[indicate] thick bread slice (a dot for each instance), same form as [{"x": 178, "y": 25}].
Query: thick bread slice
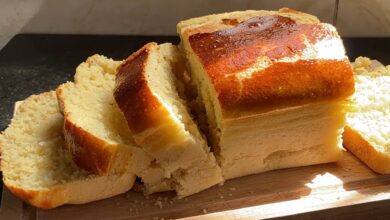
[
  {"x": 256, "y": 73},
  {"x": 147, "y": 93},
  {"x": 95, "y": 129},
  {"x": 37, "y": 167},
  {"x": 367, "y": 134},
  {"x": 93, "y": 138}
]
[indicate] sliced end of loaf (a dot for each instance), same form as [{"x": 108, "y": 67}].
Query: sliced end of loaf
[{"x": 367, "y": 134}]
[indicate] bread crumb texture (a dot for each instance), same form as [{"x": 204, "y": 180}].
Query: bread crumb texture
[
  {"x": 370, "y": 112},
  {"x": 32, "y": 148},
  {"x": 90, "y": 104}
]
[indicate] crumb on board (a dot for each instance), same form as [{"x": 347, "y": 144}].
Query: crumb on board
[
  {"x": 159, "y": 204},
  {"x": 204, "y": 211}
]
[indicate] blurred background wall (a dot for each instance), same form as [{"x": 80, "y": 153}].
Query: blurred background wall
[{"x": 159, "y": 17}]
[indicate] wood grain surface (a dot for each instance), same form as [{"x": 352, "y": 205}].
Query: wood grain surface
[{"x": 272, "y": 194}]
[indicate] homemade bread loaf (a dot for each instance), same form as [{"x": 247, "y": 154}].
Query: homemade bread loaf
[
  {"x": 95, "y": 129},
  {"x": 273, "y": 84},
  {"x": 37, "y": 167},
  {"x": 147, "y": 94},
  {"x": 367, "y": 134}
]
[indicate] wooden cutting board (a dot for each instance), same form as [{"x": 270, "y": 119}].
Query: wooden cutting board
[{"x": 271, "y": 194}]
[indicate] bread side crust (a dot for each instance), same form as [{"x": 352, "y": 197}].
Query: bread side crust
[
  {"x": 376, "y": 160},
  {"x": 78, "y": 192},
  {"x": 136, "y": 100},
  {"x": 45, "y": 199},
  {"x": 89, "y": 152}
]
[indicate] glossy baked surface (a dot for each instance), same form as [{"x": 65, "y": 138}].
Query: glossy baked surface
[{"x": 272, "y": 61}]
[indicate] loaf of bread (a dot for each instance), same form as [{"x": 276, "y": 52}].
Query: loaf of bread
[
  {"x": 96, "y": 130},
  {"x": 38, "y": 168},
  {"x": 274, "y": 85},
  {"x": 147, "y": 93},
  {"x": 367, "y": 134}
]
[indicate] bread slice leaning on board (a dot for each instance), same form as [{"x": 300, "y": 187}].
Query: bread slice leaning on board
[
  {"x": 367, "y": 134},
  {"x": 274, "y": 86},
  {"x": 39, "y": 169},
  {"x": 158, "y": 117},
  {"x": 95, "y": 129}
]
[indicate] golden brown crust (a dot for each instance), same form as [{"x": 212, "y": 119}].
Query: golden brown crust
[
  {"x": 88, "y": 152},
  {"x": 238, "y": 47},
  {"x": 225, "y": 53},
  {"x": 285, "y": 84},
  {"x": 354, "y": 142},
  {"x": 41, "y": 199},
  {"x": 133, "y": 95}
]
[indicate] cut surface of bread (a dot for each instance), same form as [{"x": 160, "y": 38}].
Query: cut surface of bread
[
  {"x": 367, "y": 134},
  {"x": 96, "y": 130},
  {"x": 249, "y": 66},
  {"x": 146, "y": 92},
  {"x": 38, "y": 168}
]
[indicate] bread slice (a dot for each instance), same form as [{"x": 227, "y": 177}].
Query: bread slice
[
  {"x": 367, "y": 134},
  {"x": 96, "y": 130},
  {"x": 273, "y": 85},
  {"x": 37, "y": 167},
  {"x": 147, "y": 94}
]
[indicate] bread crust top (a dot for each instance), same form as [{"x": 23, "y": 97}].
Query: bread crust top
[{"x": 270, "y": 61}]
